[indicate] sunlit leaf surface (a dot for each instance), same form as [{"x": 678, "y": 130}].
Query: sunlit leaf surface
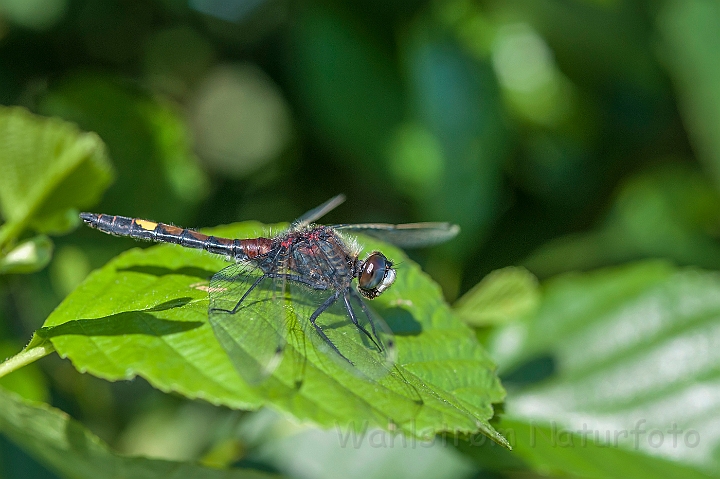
[
  {"x": 143, "y": 134},
  {"x": 630, "y": 357},
  {"x": 28, "y": 256},
  {"x": 145, "y": 313},
  {"x": 502, "y": 296},
  {"x": 47, "y": 168}
]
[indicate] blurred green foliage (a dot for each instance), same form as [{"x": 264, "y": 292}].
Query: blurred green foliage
[{"x": 563, "y": 136}]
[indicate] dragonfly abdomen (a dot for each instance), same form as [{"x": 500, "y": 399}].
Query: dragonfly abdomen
[{"x": 164, "y": 233}]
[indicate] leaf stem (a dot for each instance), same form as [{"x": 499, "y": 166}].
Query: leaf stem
[
  {"x": 11, "y": 230},
  {"x": 25, "y": 357}
]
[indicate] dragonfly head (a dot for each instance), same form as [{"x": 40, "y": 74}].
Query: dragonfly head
[{"x": 376, "y": 275}]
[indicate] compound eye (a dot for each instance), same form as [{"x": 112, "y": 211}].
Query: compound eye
[{"x": 376, "y": 275}]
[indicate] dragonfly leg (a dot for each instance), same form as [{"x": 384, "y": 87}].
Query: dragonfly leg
[
  {"x": 366, "y": 310},
  {"x": 353, "y": 318},
  {"x": 293, "y": 277},
  {"x": 237, "y": 306},
  {"x": 328, "y": 302}
]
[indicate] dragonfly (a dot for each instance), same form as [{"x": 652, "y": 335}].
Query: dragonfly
[{"x": 309, "y": 274}]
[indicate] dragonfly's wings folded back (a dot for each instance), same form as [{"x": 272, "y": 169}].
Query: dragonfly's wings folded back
[
  {"x": 319, "y": 211},
  {"x": 409, "y": 235}
]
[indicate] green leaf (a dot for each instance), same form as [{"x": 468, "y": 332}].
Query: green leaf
[
  {"x": 47, "y": 169},
  {"x": 691, "y": 51},
  {"x": 555, "y": 451},
  {"x": 72, "y": 451},
  {"x": 633, "y": 348},
  {"x": 146, "y": 136},
  {"x": 28, "y": 256},
  {"x": 145, "y": 313},
  {"x": 502, "y": 296}
]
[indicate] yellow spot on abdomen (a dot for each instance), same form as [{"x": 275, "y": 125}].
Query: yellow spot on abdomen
[{"x": 146, "y": 225}]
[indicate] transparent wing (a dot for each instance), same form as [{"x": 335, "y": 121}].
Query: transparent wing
[
  {"x": 317, "y": 213},
  {"x": 366, "y": 349},
  {"x": 247, "y": 316},
  {"x": 409, "y": 235},
  {"x": 341, "y": 326}
]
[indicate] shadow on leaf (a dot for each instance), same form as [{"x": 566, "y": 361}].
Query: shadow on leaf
[
  {"x": 401, "y": 321},
  {"x": 160, "y": 271},
  {"x": 127, "y": 322},
  {"x": 531, "y": 371}
]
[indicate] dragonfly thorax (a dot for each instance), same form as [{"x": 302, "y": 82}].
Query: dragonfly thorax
[{"x": 319, "y": 257}]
